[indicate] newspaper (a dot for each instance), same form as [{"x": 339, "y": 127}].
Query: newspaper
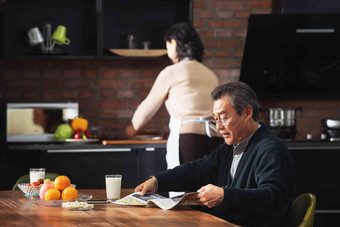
[{"x": 156, "y": 200}]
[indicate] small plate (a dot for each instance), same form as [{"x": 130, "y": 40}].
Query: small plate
[
  {"x": 57, "y": 203},
  {"x": 78, "y": 208},
  {"x": 79, "y": 140}
]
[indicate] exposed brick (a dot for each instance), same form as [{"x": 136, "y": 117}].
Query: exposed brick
[
  {"x": 91, "y": 74},
  {"x": 110, "y": 74},
  {"x": 108, "y": 104},
  {"x": 213, "y": 43},
  {"x": 223, "y": 53},
  {"x": 218, "y": 5},
  {"x": 149, "y": 73},
  {"x": 31, "y": 74},
  {"x": 225, "y": 24},
  {"x": 126, "y": 94},
  {"x": 224, "y": 14},
  {"x": 70, "y": 94},
  {"x": 265, "y": 4},
  {"x": 49, "y": 94},
  {"x": 107, "y": 94},
  {"x": 139, "y": 83},
  {"x": 119, "y": 83},
  {"x": 238, "y": 53},
  {"x": 242, "y": 14},
  {"x": 52, "y": 74},
  {"x": 223, "y": 33},
  {"x": 109, "y": 113},
  {"x": 11, "y": 74},
  {"x": 206, "y": 14},
  {"x": 72, "y": 73},
  {"x": 86, "y": 93},
  {"x": 128, "y": 73},
  {"x": 199, "y": 4},
  {"x": 199, "y": 23},
  {"x": 206, "y": 33}
]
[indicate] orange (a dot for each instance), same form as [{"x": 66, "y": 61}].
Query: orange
[
  {"x": 52, "y": 194},
  {"x": 62, "y": 182},
  {"x": 69, "y": 193}
]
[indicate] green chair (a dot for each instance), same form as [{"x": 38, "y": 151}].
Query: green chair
[
  {"x": 26, "y": 179},
  {"x": 304, "y": 210}
]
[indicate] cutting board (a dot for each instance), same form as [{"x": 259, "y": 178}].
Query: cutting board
[
  {"x": 139, "y": 52},
  {"x": 112, "y": 142}
]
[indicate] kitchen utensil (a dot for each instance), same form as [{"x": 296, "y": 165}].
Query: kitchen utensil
[
  {"x": 35, "y": 37},
  {"x": 146, "y": 45},
  {"x": 59, "y": 36},
  {"x": 331, "y": 123},
  {"x": 281, "y": 117},
  {"x": 131, "y": 41}
]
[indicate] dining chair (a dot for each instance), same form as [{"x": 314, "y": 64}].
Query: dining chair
[
  {"x": 304, "y": 210},
  {"x": 26, "y": 179}
]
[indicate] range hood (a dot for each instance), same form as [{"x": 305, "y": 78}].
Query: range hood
[{"x": 293, "y": 55}]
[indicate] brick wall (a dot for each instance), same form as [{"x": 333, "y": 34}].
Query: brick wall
[{"x": 109, "y": 91}]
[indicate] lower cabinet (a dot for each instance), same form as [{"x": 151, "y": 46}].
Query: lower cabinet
[
  {"x": 150, "y": 161},
  {"x": 87, "y": 168}
]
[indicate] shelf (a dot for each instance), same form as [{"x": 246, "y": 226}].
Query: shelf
[
  {"x": 139, "y": 52},
  {"x": 93, "y": 26}
]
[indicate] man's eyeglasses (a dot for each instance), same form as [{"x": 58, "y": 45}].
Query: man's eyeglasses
[{"x": 223, "y": 121}]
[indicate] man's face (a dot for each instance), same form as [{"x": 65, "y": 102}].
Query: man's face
[{"x": 235, "y": 129}]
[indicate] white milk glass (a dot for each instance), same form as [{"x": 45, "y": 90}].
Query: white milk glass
[
  {"x": 36, "y": 173},
  {"x": 113, "y": 184}
]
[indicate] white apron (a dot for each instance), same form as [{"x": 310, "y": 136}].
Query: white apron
[{"x": 172, "y": 146}]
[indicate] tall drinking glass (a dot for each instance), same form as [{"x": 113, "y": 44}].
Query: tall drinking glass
[
  {"x": 113, "y": 184},
  {"x": 36, "y": 173}
]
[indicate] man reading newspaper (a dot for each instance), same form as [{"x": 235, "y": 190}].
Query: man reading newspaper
[{"x": 248, "y": 180}]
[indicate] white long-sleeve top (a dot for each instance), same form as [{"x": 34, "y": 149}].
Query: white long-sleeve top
[{"x": 185, "y": 87}]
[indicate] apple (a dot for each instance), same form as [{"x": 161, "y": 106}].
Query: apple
[{"x": 47, "y": 185}]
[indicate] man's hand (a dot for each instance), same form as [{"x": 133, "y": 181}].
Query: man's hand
[
  {"x": 148, "y": 186},
  {"x": 210, "y": 195}
]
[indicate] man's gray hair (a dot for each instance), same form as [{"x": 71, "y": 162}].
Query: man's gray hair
[{"x": 241, "y": 95}]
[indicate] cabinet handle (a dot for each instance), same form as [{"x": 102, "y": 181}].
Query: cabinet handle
[
  {"x": 150, "y": 149},
  {"x": 90, "y": 150}
]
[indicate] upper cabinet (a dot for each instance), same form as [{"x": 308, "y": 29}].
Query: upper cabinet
[{"x": 94, "y": 27}]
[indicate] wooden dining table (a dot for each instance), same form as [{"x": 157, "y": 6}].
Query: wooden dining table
[{"x": 18, "y": 210}]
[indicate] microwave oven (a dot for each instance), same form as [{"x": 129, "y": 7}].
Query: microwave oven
[{"x": 37, "y": 122}]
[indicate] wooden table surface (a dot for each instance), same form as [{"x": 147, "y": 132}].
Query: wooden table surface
[{"x": 17, "y": 210}]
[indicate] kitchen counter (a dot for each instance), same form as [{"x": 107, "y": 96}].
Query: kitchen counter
[
  {"x": 104, "y": 146},
  {"x": 111, "y": 145}
]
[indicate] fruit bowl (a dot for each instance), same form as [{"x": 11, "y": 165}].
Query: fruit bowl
[{"x": 29, "y": 190}]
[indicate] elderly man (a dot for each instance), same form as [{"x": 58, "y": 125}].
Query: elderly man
[{"x": 248, "y": 180}]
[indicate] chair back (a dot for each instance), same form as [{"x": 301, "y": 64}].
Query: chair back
[
  {"x": 304, "y": 210},
  {"x": 26, "y": 179}
]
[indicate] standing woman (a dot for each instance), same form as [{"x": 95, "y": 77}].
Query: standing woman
[{"x": 185, "y": 87}]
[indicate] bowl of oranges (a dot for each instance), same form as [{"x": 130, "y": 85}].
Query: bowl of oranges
[{"x": 53, "y": 193}]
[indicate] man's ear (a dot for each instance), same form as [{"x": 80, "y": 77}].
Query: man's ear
[{"x": 248, "y": 110}]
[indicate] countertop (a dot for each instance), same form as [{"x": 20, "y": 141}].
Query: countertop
[{"x": 113, "y": 145}]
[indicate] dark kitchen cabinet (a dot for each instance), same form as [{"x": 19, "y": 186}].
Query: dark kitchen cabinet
[
  {"x": 150, "y": 161},
  {"x": 88, "y": 168},
  {"x": 93, "y": 26}
]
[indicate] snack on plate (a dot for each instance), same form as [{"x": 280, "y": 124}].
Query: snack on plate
[{"x": 77, "y": 205}]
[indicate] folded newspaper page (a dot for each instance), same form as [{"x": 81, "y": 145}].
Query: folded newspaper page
[{"x": 154, "y": 200}]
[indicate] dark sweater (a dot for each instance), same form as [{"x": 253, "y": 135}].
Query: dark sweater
[{"x": 262, "y": 190}]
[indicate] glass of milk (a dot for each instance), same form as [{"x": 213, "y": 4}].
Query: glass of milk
[
  {"x": 36, "y": 173},
  {"x": 113, "y": 184}
]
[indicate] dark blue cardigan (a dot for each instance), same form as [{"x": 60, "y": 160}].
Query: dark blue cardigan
[{"x": 263, "y": 187}]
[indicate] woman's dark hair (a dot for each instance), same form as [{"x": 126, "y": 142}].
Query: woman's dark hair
[
  {"x": 241, "y": 95},
  {"x": 189, "y": 43}
]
